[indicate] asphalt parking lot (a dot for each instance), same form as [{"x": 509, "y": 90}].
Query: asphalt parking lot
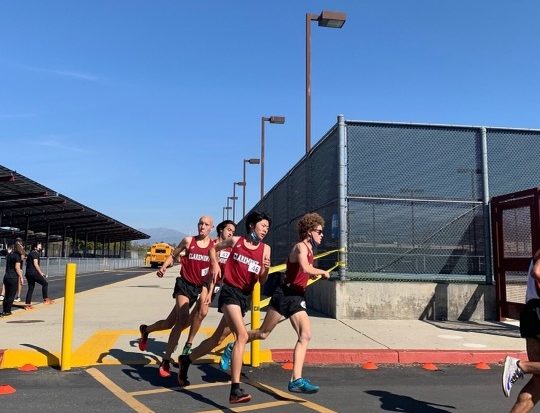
[{"x": 125, "y": 388}]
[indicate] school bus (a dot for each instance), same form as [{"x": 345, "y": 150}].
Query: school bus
[{"x": 157, "y": 254}]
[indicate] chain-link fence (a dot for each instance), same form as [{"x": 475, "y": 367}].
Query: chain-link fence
[
  {"x": 416, "y": 197},
  {"x": 311, "y": 185}
]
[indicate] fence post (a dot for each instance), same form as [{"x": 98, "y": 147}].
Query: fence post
[
  {"x": 342, "y": 197},
  {"x": 486, "y": 208},
  {"x": 67, "y": 327}
]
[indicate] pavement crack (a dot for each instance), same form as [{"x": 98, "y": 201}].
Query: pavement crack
[{"x": 365, "y": 335}]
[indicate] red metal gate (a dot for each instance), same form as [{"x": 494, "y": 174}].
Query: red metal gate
[{"x": 516, "y": 235}]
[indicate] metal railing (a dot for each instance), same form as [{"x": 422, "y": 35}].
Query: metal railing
[{"x": 54, "y": 266}]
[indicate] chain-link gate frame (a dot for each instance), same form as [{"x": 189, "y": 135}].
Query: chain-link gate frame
[{"x": 516, "y": 236}]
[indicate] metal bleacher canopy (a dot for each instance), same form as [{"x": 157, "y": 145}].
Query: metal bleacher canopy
[{"x": 30, "y": 209}]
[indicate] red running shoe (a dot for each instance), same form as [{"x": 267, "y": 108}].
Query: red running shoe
[
  {"x": 48, "y": 301},
  {"x": 143, "y": 341},
  {"x": 165, "y": 369}
]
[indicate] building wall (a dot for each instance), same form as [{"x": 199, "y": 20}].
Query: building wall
[{"x": 405, "y": 301}]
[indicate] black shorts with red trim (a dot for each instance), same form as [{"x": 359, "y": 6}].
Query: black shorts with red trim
[
  {"x": 287, "y": 301},
  {"x": 191, "y": 291},
  {"x": 232, "y": 295}
]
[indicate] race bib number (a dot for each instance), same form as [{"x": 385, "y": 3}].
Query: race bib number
[
  {"x": 223, "y": 255},
  {"x": 204, "y": 272},
  {"x": 254, "y": 268}
]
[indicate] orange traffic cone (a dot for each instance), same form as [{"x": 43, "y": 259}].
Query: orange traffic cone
[
  {"x": 287, "y": 365},
  {"x": 27, "y": 367},
  {"x": 369, "y": 366},
  {"x": 6, "y": 389},
  {"x": 482, "y": 366}
]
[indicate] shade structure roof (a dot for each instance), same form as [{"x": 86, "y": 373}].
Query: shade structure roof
[{"x": 27, "y": 207}]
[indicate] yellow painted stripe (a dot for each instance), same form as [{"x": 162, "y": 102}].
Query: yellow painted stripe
[
  {"x": 168, "y": 389},
  {"x": 289, "y": 396},
  {"x": 97, "y": 350},
  {"x": 17, "y": 358},
  {"x": 118, "y": 392},
  {"x": 91, "y": 350},
  {"x": 249, "y": 408}
]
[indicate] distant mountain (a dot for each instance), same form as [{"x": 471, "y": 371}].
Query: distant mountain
[{"x": 170, "y": 236}]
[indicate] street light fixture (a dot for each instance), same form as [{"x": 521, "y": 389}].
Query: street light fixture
[
  {"x": 272, "y": 119},
  {"x": 234, "y": 198},
  {"x": 332, "y": 19},
  {"x": 251, "y": 161}
]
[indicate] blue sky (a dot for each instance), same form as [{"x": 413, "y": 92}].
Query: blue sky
[{"x": 145, "y": 110}]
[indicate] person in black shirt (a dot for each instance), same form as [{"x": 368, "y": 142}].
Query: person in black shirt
[
  {"x": 34, "y": 275},
  {"x": 13, "y": 276}
]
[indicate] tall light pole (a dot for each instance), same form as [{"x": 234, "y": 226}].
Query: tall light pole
[
  {"x": 234, "y": 198},
  {"x": 226, "y": 208},
  {"x": 229, "y": 207},
  {"x": 331, "y": 19},
  {"x": 271, "y": 119},
  {"x": 251, "y": 161}
]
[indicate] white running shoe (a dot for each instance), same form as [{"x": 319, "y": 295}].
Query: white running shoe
[
  {"x": 511, "y": 373},
  {"x": 17, "y": 300}
]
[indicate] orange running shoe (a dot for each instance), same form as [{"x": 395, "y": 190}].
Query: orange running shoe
[{"x": 48, "y": 301}]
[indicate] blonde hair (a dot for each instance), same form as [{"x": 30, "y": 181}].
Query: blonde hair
[{"x": 308, "y": 223}]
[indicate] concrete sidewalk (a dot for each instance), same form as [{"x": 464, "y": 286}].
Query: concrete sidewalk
[{"x": 107, "y": 318}]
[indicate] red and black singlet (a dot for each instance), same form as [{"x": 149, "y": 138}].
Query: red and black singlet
[
  {"x": 196, "y": 262},
  {"x": 223, "y": 257},
  {"x": 295, "y": 278},
  {"x": 244, "y": 266}
]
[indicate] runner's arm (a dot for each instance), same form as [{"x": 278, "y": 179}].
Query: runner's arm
[
  {"x": 215, "y": 269},
  {"x": 266, "y": 264},
  {"x": 301, "y": 253},
  {"x": 174, "y": 255}
]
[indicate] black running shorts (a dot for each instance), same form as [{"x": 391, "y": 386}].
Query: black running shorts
[
  {"x": 287, "y": 302},
  {"x": 529, "y": 319},
  {"x": 233, "y": 295},
  {"x": 191, "y": 291}
]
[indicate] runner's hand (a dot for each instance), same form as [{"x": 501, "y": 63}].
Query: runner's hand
[
  {"x": 161, "y": 272},
  {"x": 215, "y": 272},
  {"x": 266, "y": 262},
  {"x": 207, "y": 298}
]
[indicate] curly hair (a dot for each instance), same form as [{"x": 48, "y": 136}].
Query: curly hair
[{"x": 308, "y": 223}]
